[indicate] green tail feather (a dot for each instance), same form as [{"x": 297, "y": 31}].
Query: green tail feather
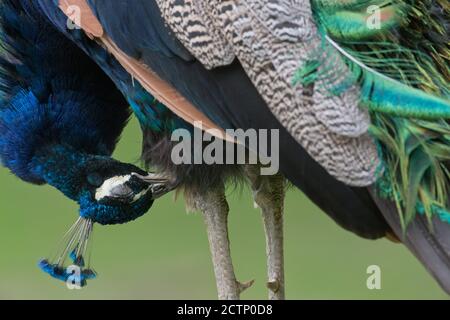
[
  {"x": 384, "y": 92},
  {"x": 386, "y": 83},
  {"x": 404, "y": 83},
  {"x": 416, "y": 158}
]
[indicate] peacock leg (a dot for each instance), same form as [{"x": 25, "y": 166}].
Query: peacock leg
[
  {"x": 268, "y": 194},
  {"x": 214, "y": 208}
]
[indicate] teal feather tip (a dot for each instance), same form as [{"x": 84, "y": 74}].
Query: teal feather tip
[
  {"x": 442, "y": 213},
  {"x": 386, "y": 190}
]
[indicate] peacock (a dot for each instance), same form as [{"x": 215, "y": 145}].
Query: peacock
[{"x": 358, "y": 91}]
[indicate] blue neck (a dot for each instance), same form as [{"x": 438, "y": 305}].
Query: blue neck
[{"x": 59, "y": 166}]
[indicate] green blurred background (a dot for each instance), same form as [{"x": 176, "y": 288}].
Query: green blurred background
[{"x": 165, "y": 254}]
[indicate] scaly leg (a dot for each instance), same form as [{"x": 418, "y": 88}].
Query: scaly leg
[
  {"x": 268, "y": 193},
  {"x": 214, "y": 208}
]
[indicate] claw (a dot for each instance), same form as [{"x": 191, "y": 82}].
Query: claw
[
  {"x": 245, "y": 285},
  {"x": 274, "y": 285}
]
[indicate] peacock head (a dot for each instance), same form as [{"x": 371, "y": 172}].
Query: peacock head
[
  {"x": 112, "y": 192},
  {"x": 107, "y": 191}
]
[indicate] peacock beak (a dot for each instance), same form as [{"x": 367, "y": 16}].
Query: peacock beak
[
  {"x": 130, "y": 188},
  {"x": 159, "y": 185}
]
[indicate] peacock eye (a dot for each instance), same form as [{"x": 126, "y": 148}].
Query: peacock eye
[{"x": 95, "y": 179}]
